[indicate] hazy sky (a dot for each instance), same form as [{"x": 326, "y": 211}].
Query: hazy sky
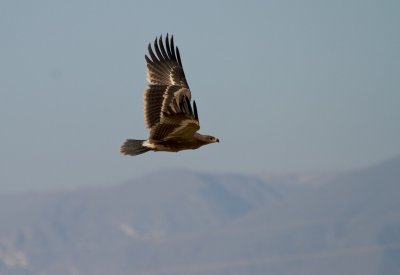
[{"x": 285, "y": 85}]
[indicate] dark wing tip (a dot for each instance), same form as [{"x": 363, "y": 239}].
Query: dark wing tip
[
  {"x": 153, "y": 57},
  {"x": 167, "y": 45},
  {"x": 162, "y": 48},
  {"x": 189, "y": 106},
  {"x": 173, "y": 48},
  {"x": 178, "y": 56},
  {"x": 157, "y": 49},
  {"x": 148, "y": 60},
  {"x": 196, "y": 115}
]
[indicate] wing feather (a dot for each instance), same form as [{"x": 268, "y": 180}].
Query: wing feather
[
  {"x": 196, "y": 115},
  {"x": 157, "y": 48},
  {"x": 160, "y": 42},
  {"x": 152, "y": 55},
  {"x": 173, "y": 48},
  {"x": 178, "y": 56}
]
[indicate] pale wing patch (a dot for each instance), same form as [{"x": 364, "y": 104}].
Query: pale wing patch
[
  {"x": 171, "y": 78},
  {"x": 186, "y": 129},
  {"x": 148, "y": 77},
  {"x": 148, "y": 144},
  {"x": 183, "y": 91}
]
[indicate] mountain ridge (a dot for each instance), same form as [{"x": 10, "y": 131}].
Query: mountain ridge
[{"x": 185, "y": 222}]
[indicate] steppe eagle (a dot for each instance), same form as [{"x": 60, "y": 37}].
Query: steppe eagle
[{"x": 171, "y": 120}]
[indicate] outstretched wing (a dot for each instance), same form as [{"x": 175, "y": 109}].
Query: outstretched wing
[
  {"x": 165, "y": 66},
  {"x": 180, "y": 121},
  {"x": 167, "y": 80}
]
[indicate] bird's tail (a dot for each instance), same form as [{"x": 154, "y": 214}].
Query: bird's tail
[{"x": 133, "y": 147}]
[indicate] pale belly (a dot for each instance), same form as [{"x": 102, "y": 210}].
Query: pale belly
[{"x": 171, "y": 146}]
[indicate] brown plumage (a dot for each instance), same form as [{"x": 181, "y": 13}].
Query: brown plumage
[{"x": 169, "y": 116}]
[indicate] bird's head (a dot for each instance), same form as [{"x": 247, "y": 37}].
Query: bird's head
[
  {"x": 205, "y": 139},
  {"x": 211, "y": 139}
]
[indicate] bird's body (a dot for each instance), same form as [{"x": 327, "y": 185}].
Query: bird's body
[{"x": 169, "y": 116}]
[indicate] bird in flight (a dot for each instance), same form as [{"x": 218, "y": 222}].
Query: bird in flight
[{"x": 169, "y": 116}]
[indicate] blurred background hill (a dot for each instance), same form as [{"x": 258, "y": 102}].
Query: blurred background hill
[{"x": 184, "y": 222}]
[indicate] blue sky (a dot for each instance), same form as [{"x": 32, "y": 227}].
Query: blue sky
[{"x": 285, "y": 85}]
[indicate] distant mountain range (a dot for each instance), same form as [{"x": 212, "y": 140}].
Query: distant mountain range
[{"x": 183, "y": 222}]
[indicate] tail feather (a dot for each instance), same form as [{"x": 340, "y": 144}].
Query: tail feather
[{"x": 133, "y": 147}]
